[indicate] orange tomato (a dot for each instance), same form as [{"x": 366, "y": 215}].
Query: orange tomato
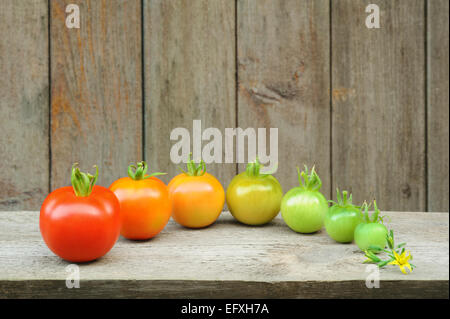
[
  {"x": 197, "y": 197},
  {"x": 145, "y": 206}
]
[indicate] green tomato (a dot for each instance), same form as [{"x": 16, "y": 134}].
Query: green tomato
[
  {"x": 342, "y": 219},
  {"x": 254, "y": 198},
  {"x": 304, "y": 208},
  {"x": 371, "y": 232}
]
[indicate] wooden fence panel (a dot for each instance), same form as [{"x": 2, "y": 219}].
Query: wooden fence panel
[
  {"x": 96, "y": 89},
  {"x": 24, "y": 103},
  {"x": 283, "y": 80},
  {"x": 377, "y": 125},
  {"x": 378, "y": 94},
  {"x": 189, "y": 75},
  {"x": 438, "y": 105}
]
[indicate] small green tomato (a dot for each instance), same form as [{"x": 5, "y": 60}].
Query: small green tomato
[
  {"x": 342, "y": 218},
  {"x": 371, "y": 232}
]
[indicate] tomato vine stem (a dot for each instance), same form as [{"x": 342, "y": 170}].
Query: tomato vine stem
[
  {"x": 83, "y": 183},
  {"x": 194, "y": 169},
  {"x": 139, "y": 171},
  {"x": 310, "y": 181},
  {"x": 254, "y": 169},
  {"x": 375, "y": 218},
  {"x": 344, "y": 200}
]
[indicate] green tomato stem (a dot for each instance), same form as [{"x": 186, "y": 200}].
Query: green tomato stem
[
  {"x": 365, "y": 207},
  {"x": 310, "y": 181},
  {"x": 376, "y": 212},
  {"x": 254, "y": 169},
  {"x": 344, "y": 201},
  {"x": 194, "y": 169},
  {"x": 139, "y": 172},
  {"x": 83, "y": 183},
  {"x": 375, "y": 218}
]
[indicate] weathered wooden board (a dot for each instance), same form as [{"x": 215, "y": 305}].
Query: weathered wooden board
[
  {"x": 24, "y": 91},
  {"x": 438, "y": 105},
  {"x": 189, "y": 75},
  {"x": 226, "y": 260},
  {"x": 284, "y": 82},
  {"x": 380, "y": 126},
  {"x": 96, "y": 95},
  {"x": 378, "y": 97}
]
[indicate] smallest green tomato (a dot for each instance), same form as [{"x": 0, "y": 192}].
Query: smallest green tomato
[
  {"x": 342, "y": 218},
  {"x": 371, "y": 232},
  {"x": 254, "y": 198}
]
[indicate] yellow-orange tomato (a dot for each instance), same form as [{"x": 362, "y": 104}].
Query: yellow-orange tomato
[
  {"x": 197, "y": 197},
  {"x": 145, "y": 206}
]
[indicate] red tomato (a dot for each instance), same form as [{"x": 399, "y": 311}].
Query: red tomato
[
  {"x": 197, "y": 197},
  {"x": 145, "y": 206},
  {"x": 80, "y": 223}
]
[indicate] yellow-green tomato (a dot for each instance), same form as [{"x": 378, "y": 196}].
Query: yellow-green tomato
[
  {"x": 342, "y": 219},
  {"x": 304, "y": 208},
  {"x": 254, "y": 198}
]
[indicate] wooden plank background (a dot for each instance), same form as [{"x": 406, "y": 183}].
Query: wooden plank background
[
  {"x": 378, "y": 99},
  {"x": 368, "y": 107},
  {"x": 438, "y": 104},
  {"x": 283, "y": 76},
  {"x": 96, "y": 89},
  {"x": 189, "y": 75},
  {"x": 24, "y": 104}
]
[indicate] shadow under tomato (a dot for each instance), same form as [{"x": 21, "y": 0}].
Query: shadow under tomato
[
  {"x": 310, "y": 234},
  {"x": 237, "y": 223},
  {"x": 269, "y": 224},
  {"x": 137, "y": 241},
  {"x": 286, "y": 229},
  {"x": 181, "y": 227},
  {"x": 66, "y": 262}
]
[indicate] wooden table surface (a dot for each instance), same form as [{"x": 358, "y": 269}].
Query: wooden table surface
[{"x": 226, "y": 260}]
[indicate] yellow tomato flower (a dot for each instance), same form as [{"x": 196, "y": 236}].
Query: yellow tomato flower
[{"x": 402, "y": 261}]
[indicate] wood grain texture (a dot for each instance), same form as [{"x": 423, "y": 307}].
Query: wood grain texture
[
  {"x": 178, "y": 289},
  {"x": 378, "y": 95},
  {"x": 96, "y": 96},
  {"x": 283, "y": 79},
  {"x": 438, "y": 105},
  {"x": 24, "y": 91},
  {"x": 226, "y": 260},
  {"x": 378, "y": 101},
  {"x": 189, "y": 75}
]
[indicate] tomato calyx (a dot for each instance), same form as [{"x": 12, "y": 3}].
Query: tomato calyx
[
  {"x": 253, "y": 169},
  {"x": 344, "y": 201},
  {"x": 194, "y": 169},
  {"x": 375, "y": 218},
  {"x": 309, "y": 181},
  {"x": 83, "y": 183},
  {"x": 139, "y": 171}
]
